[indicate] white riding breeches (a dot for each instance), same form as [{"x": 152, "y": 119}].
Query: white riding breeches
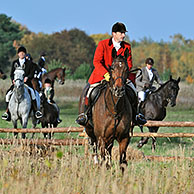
[
  {"x": 92, "y": 86},
  {"x": 129, "y": 83},
  {"x": 141, "y": 96},
  {"x": 32, "y": 92},
  {"x": 8, "y": 96}
]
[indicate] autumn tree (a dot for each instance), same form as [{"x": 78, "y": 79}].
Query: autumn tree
[{"x": 9, "y": 31}]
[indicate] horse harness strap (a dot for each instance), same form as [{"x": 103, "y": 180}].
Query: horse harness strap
[{"x": 117, "y": 117}]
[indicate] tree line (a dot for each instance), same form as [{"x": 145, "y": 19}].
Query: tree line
[{"x": 75, "y": 50}]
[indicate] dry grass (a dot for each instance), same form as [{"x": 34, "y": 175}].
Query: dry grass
[
  {"x": 34, "y": 171},
  {"x": 45, "y": 170}
]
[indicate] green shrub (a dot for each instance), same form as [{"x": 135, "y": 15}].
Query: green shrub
[
  {"x": 82, "y": 72},
  {"x": 55, "y": 63}
]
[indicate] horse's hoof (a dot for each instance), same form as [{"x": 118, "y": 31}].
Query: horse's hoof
[{"x": 139, "y": 145}]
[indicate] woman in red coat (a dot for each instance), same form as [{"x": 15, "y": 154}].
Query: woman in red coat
[{"x": 103, "y": 58}]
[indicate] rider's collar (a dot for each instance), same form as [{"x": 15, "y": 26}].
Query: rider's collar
[{"x": 110, "y": 43}]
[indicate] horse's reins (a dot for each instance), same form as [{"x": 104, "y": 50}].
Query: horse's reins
[{"x": 117, "y": 117}]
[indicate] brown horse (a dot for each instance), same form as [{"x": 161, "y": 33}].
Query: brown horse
[
  {"x": 2, "y": 75},
  {"x": 112, "y": 113},
  {"x": 55, "y": 74}
]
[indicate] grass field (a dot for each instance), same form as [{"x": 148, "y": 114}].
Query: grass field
[{"x": 68, "y": 170}]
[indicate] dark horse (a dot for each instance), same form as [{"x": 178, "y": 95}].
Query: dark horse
[
  {"x": 2, "y": 75},
  {"x": 154, "y": 107},
  {"x": 50, "y": 114},
  {"x": 112, "y": 113},
  {"x": 55, "y": 74}
]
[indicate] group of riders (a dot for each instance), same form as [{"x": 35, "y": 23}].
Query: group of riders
[
  {"x": 102, "y": 60},
  {"x": 31, "y": 70}
]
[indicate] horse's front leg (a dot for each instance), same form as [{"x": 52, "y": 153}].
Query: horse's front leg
[
  {"x": 95, "y": 150},
  {"x": 15, "y": 127},
  {"x": 102, "y": 149},
  {"x": 109, "y": 159},
  {"x": 142, "y": 141},
  {"x": 154, "y": 130},
  {"x": 24, "y": 125},
  {"x": 122, "y": 151}
]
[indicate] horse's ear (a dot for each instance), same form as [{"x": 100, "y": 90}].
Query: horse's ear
[
  {"x": 170, "y": 77},
  {"x": 114, "y": 53},
  {"x": 126, "y": 53},
  {"x": 179, "y": 79}
]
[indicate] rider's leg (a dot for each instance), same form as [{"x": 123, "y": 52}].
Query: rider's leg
[
  {"x": 58, "y": 111},
  {"x": 83, "y": 117},
  {"x": 6, "y": 115},
  {"x": 139, "y": 118},
  {"x": 141, "y": 98},
  {"x": 37, "y": 113}
]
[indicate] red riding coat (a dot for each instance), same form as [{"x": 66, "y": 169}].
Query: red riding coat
[{"x": 103, "y": 58}]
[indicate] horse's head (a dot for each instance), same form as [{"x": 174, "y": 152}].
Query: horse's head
[
  {"x": 18, "y": 78},
  {"x": 61, "y": 75},
  {"x": 172, "y": 90},
  {"x": 43, "y": 98},
  {"x": 2, "y": 75},
  {"x": 119, "y": 73}
]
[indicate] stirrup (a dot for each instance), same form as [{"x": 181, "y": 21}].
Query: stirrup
[
  {"x": 5, "y": 116},
  {"x": 82, "y": 119},
  {"x": 38, "y": 114},
  {"x": 140, "y": 119}
]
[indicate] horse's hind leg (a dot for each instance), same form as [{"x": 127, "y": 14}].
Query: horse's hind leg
[{"x": 122, "y": 151}]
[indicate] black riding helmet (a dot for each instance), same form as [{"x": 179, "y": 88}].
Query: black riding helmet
[
  {"x": 48, "y": 81},
  {"x": 149, "y": 61},
  {"x": 22, "y": 49},
  {"x": 119, "y": 27}
]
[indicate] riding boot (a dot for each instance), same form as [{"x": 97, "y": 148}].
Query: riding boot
[
  {"x": 83, "y": 117},
  {"x": 37, "y": 113},
  {"x": 139, "y": 118},
  {"x": 6, "y": 115}
]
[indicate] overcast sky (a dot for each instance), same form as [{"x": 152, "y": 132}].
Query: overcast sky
[{"x": 155, "y": 19}]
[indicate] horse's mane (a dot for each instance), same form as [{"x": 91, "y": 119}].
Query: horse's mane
[
  {"x": 57, "y": 68},
  {"x": 162, "y": 86}
]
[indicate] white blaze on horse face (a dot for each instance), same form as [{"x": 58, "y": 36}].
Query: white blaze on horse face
[{"x": 19, "y": 74}]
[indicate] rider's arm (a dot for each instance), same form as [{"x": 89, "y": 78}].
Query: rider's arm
[
  {"x": 12, "y": 71},
  {"x": 99, "y": 60},
  {"x": 129, "y": 59},
  {"x": 139, "y": 78}
]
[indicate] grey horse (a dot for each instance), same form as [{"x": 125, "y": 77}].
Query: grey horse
[{"x": 20, "y": 102}]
